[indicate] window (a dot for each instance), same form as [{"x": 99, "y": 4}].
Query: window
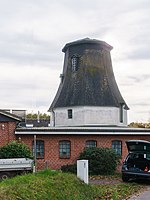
[
  {"x": 91, "y": 143},
  {"x": 70, "y": 114},
  {"x": 117, "y": 145},
  {"x": 74, "y": 62},
  {"x": 39, "y": 148},
  {"x": 62, "y": 78},
  {"x": 64, "y": 149}
]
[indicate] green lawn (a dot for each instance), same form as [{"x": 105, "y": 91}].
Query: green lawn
[{"x": 54, "y": 185}]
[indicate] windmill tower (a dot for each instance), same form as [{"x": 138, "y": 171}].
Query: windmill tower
[{"x": 88, "y": 94}]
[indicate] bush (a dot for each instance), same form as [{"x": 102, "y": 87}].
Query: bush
[
  {"x": 15, "y": 149},
  {"x": 69, "y": 168},
  {"x": 101, "y": 160}
]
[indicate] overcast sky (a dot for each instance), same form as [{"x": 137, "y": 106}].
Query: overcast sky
[{"x": 33, "y": 33}]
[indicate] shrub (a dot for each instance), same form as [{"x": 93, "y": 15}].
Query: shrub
[
  {"x": 101, "y": 160},
  {"x": 69, "y": 168},
  {"x": 15, "y": 149}
]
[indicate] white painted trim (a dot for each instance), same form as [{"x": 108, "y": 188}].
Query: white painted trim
[{"x": 80, "y": 133}]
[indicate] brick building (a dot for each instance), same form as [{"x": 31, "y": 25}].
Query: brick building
[
  {"x": 8, "y": 123},
  {"x": 57, "y": 146},
  {"x": 88, "y": 110}
]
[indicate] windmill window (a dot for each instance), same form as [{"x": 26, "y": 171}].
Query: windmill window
[
  {"x": 69, "y": 113},
  {"x": 75, "y": 62},
  {"x": 61, "y": 78}
]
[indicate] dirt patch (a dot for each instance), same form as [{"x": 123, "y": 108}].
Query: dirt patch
[
  {"x": 105, "y": 180},
  {"x": 112, "y": 182}
]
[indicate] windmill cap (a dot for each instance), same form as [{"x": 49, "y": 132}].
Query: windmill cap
[{"x": 87, "y": 41}]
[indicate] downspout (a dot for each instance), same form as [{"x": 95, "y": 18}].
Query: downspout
[
  {"x": 53, "y": 118},
  {"x": 34, "y": 167},
  {"x": 121, "y": 112}
]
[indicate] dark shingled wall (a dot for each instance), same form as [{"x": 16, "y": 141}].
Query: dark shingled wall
[{"x": 93, "y": 84}]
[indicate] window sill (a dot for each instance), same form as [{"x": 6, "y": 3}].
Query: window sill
[
  {"x": 38, "y": 158},
  {"x": 64, "y": 157}
]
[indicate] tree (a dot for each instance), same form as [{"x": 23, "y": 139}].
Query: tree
[
  {"x": 33, "y": 116},
  {"x": 101, "y": 160},
  {"x": 15, "y": 149},
  {"x": 139, "y": 125}
]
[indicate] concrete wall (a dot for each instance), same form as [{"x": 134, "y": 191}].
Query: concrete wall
[{"x": 88, "y": 115}]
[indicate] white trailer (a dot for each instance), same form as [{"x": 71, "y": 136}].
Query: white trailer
[{"x": 14, "y": 166}]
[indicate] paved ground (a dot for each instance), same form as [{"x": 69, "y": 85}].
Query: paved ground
[{"x": 143, "y": 195}]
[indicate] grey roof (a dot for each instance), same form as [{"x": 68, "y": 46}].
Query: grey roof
[
  {"x": 83, "y": 131},
  {"x": 93, "y": 84},
  {"x": 9, "y": 115},
  {"x": 87, "y": 41}
]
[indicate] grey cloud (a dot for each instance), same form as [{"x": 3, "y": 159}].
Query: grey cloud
[
  {"x": 34, "y": 32},
  {"x": 125, "y": 84},
  {"x": 105, "y": 7},
  {"x": 25, "y": 48},
  {"x": 140, "y": 104},
  {"x": 140, "y": 40},
  {"x": 20, "y": 85},
  {"x": 43, "y": 102},
  {"x": 140, "y": 53},
  {"x": 140, "y": 78},
  {"x": 143, "y": 112}
]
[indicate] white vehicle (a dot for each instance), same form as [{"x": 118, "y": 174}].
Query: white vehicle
[{"x": 14, "y": 166}]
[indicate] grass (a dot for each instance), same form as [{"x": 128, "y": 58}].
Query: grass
[{"x": 54, "y": 185}]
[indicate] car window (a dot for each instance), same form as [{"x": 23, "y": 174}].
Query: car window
[
  {"x": 138, "y": 156},
  {"x": 138, "y": 146},
  {"x": 148, "y": 156}
]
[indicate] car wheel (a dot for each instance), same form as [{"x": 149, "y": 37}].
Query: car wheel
[
  {"x": 4, "y": 175},
  {"x": 125, "y": 178}
]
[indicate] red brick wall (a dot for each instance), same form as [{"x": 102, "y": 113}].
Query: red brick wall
[
  {"x": 7, "y": 132},
  {"x": 51, "y": 156}
]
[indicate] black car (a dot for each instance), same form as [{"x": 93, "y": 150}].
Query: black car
[{"x": 137, "y": 162}]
